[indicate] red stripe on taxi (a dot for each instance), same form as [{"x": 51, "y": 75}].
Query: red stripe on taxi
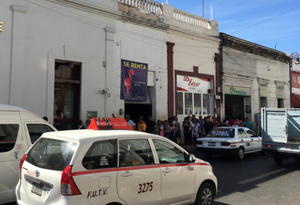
[{"x": 136, "y": 168}]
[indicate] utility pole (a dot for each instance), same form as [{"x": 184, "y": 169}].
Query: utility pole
[{"x": 203, "y": 8}]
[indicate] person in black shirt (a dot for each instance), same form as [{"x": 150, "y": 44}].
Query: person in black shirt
[
  {"x": 187, "y": 128},
  {"x": 208, "y": 125},
  {"x": 151, "y": 126}
]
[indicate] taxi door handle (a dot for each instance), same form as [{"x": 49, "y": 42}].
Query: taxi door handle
[
  {"x": 242, "y": 140},
  {"x": 126, "y": 174},
  {"x": 166, "y": 170},
  {"x": 252, "y": 139}
]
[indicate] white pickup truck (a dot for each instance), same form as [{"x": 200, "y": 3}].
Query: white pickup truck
[{"x": 281, "y": 133}]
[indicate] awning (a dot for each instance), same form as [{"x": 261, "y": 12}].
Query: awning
[{"x": 295, "y": 100}]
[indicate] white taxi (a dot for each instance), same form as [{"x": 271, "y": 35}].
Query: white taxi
[
  {"x": 112, "y": 168},
  {"x": 236, "y": 141}
]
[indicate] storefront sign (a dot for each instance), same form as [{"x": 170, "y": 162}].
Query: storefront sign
[
  {"x": 237, "y": 90},
  {"x": 263, "y": 91},
  {"x": 192, "y": 84},
  {"x": 134, "y": 77},
  {"x": 280, "y": 93}
]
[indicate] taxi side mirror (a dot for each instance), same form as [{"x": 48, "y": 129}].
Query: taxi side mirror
[{"x": 192, "y": 158}]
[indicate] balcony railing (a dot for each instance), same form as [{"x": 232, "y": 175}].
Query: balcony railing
[
  {"x": 191, "y": 19},
  {"x": 146, "y": 5}
]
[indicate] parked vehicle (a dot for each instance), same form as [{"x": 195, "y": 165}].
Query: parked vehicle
[
  {"x": 281, "y": 133},
  {"x": 19, "y": 129},
  {"x": 236, "y": 141},
  {"x": 112, "y": 167}
]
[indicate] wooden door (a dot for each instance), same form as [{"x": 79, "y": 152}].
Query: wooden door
[{"x": 66, "y": 95}]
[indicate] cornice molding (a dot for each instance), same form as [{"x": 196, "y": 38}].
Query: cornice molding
[
  {"x": 256, "y": 49},
  {"x": 17, "y": 8},
  {"x": 279, "y": 84},
  {"x": 263, "y": 81}
]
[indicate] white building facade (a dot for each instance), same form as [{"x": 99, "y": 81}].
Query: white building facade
[
  {"x": 62, "y": 59},
  {"x": 254, "y": 77}
]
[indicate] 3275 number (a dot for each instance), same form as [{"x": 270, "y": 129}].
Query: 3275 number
[{"x": 145, "y": 187}]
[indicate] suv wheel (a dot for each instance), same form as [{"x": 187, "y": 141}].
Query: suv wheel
[{"x": 205, "y": 195}]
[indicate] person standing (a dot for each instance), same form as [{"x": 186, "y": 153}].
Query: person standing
[
  {"x": 208, "y": 125},
  {"x": 177, "y": 130},
  {"x": 248, "y": 123},
  {"x": 159, "y": 128},
  {"x": 238, "y": 122},
  {"x": 166, "y": 129},
  {"x": 201, "y": 119},
  {"x": 151, "y": 126},
  {"x": 196, "y": 130},
  {"x": 172, "y": 132},
  {"x": 130, "y": 122},
  {"x": 141, "y": 125},
  {"x": 226, "y": 121},
  {"x": 79, "y": 125},
  {"x": 187, "y": 128}
]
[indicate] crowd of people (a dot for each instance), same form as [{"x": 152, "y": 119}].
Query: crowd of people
[{"x": 193, "y": 128}]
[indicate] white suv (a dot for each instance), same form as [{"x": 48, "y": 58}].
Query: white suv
[{"x": 112, "y": 168}]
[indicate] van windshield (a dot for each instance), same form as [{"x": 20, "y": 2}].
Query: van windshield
[{"x": 51, "y": 154}]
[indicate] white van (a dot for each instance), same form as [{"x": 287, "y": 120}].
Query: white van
[{"x": 19, "y": 129}]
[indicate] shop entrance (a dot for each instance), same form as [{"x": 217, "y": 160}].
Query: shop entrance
[
  {"x": 66, "y": 94},
  {"x": 234, "y": 106},
  {"x": 137, "y": 110}
]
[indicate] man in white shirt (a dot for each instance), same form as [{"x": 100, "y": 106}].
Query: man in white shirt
[{"x": 130, "y": 122}]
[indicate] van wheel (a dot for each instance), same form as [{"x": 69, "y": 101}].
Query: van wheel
[
  {"x": 208, "y": 155},
  {"x": 205, "y": 195},
  {"x": 240, "y": 154},
  {"x": 278, "y": 160}
]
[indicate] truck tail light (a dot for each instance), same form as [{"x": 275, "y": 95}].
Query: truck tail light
[
  {"x": 21, "y": 164},
  {"x": 269, "y": 146},
  {"x": 199, "y": 142},
  {"x": 225, "y": 143},
  {"x": 68, "y": 186}
]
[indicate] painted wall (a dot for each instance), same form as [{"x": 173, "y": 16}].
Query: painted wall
[
  {"x": 38, "y": 32},
  {"x": 249, "y": 70}
]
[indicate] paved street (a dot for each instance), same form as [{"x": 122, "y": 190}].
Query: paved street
[{"x": 256, "y": 180}]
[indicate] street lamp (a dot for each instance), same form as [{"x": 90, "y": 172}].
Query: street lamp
[{"x": 295, "y": 56}]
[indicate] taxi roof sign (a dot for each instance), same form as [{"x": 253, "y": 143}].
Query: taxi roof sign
[{"x": 105, "y": 123}]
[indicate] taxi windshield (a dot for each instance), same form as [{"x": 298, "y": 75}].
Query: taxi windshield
[{"x": 221, "y": 132}]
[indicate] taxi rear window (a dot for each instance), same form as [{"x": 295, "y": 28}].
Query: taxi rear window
[
  {"x": 222, "y": 132},
  {"x": 51, "y": 154}
]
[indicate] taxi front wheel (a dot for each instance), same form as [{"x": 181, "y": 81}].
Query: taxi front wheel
[{"x": 205, "y": 195}]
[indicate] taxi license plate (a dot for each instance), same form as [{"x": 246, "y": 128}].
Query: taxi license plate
[
  {"x": 211, "y": 144},
  {"x": 36, "y": 189}
]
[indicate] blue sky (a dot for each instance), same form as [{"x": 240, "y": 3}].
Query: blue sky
[{"x": 235, "y": 15}]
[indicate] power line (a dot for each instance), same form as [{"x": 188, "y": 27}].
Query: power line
[
  {"x": 266, "y": 20},
  {"x": 279, "y": 38}
]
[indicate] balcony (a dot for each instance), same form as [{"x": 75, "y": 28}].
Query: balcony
[{"x": 164, "y": 13}]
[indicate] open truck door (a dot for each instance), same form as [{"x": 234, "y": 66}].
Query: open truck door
[
  {"x": 281, "y": 133},
  {"x": 274, "y": 125}
]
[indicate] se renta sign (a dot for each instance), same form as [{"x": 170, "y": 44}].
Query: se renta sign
[
  {"x": 192, "y": 84},
  {"x": 134, "y": 78}
]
